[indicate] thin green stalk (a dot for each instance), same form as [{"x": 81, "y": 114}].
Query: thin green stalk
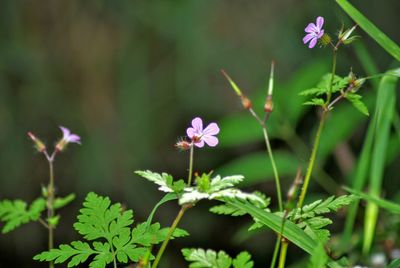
[
  {"x": 178, "y": 217},
  {"x": 328, "y": 99},
  {"x": 169, "y": 235},
  {"x": 271, "y": 156},
  {"x": 50, "y": 205},
  {"x": 282, "y": 257},
  {"x": 190, "y": 166},
  {"x": 312, "y": 160},
  {"x": 276, "y": 250}
]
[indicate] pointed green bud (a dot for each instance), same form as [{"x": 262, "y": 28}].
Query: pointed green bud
[
  {"x": 344, "y": 37},
  {"x": 233, "y": 84}
]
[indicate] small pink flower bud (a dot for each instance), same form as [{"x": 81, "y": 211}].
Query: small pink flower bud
[
  {"x": 39, "y": 145},
  {"x": 269, "y": 104},
  {"x": 246, "y": 102}
]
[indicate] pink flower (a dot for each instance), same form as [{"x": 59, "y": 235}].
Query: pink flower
[
  {"x": 68, "y": 137},
  {"x": 198, "y": 135},
  {"x": 314, "y": 32}
]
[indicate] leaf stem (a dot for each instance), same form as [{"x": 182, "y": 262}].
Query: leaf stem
[
  {"x": 190, "y": 165},
  {"x": 312, "y": 160},
  {"x": 180, "y": 213},
  {"x": 282, "y": 257},
  {"x": 328, "y": 99},
  {"x": 50, "y": 202},
  {"x": 275, "y": 170},
  {"x": 169, "y": 235}
]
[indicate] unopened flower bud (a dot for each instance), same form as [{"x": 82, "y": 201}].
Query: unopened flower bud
[
  {"x": 325, "y": 39},
  {"x": 183, "y": 145},
  {"x": 39, "y": 145},
  {"x": 246, "y": 102},
  {"x": 358, "y": 83},
  {"x": 269, "y": 105},
  {"x": 346, "y": 37}
]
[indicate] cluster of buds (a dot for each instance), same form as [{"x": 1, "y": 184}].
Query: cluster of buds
[
  {"x": 67, "y": 138},
  {"x": 246, "y": 103}
]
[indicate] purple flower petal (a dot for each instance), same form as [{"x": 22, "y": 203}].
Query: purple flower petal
[
  {"x": 210, "y": 140},
  {"x": 200, "y": 143},
  {"x": 308, "y": 37},
  {"x": 197, "y": 124},
  {"x": 191, "y": 132},
  {"x": 66, "y": 132},
  {"x": 74, "y": 138},
  {"x": 313, "y": 42},
  {"x": 321, "y": 33},
  {"x": 320, "y": 22},
  {"x": 310, "y": 28},
  {"x": 211, "y": 129}
]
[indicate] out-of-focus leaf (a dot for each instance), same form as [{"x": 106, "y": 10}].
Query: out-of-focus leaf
[
  {"x": 382, "y": 39},
  {"x": 385, "y": 109},
  {"x": 257, "y": 167},
  {"x": 242, "y": 128}
]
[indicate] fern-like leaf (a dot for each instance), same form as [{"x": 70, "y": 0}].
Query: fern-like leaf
[
  {"x": 243, "y": 260},
  {"x": 201, "y": 258},
  {"x": 15, "y": 213}
]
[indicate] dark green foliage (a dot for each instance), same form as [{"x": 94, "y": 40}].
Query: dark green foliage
[
  {"x": 14, "y": 213},
  {"x": 200, "y": 258},
  {"x": 101, "y": 220},
  {"x": 355, "y": 99}
]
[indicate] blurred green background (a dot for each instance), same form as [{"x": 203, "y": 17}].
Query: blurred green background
[{"x": 128, "y": 76}]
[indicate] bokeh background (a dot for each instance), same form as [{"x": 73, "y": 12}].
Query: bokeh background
[{"x": 128, "y": 76}]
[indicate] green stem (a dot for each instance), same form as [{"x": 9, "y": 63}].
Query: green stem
[
  {"x": 282, "y": 257},
  {"x": 275, "y": 170},
  {"x": 190, "y": 166},
  {"x": 276, "y": 250},
  {"x": 50, "y": 206},
  {"x": 328, "y": 99},
  {"x": 178, "y": 217},
  {"x": 312, "y": 160},
  {"x": 169, "y": 235}
]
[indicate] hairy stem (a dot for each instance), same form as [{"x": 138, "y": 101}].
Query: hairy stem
[
  {"x": 178, "y": 217},
  {"x": 312, "y": 160},
  {"x": 190, "y": 166},
  {"x": 275, "y": 170},
  {"x": 50, "y": 205},
  {"x": 328, "y": 99},
  {"x": 169, "y": 235}
]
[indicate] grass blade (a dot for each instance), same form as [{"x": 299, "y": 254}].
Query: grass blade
[
  {"x": 382, "y": 39},
  {"x": 292, "y": 232},
  {"x": 384, "y": 114},
  {"x": 385, "y": 204}
]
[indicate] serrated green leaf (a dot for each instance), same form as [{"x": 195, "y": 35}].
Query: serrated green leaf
[
  {"x": 15, "y": 213},
  {"x": 146, "y": 235},
  {"x": 164, "y": 180},
  {"x": 60, "y": 202},
  {"x": 78, "y": 252},
  {"x": 355, "y": 99},
  {"x": 201, "y": 258},
  {"x": 99, "y": 219},
  {"x": 243, "y": 260},
  {"x": 315, "y": 101}
]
